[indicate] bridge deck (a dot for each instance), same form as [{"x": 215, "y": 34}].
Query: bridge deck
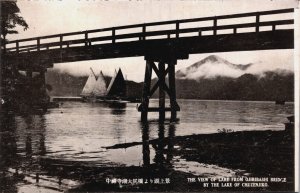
[{"x": 42, "y": 52}]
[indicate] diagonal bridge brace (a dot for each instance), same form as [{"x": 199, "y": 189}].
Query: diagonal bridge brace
[{"x": 148, "y": 92}]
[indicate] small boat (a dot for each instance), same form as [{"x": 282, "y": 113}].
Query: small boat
[
  {"x": 291, "y": 119},
  {"x": 279, "y": 102},
  {"x": 117, "y": 86},
  {"x": 116, "y": 91},
  {"x": 290, "y": 126}
]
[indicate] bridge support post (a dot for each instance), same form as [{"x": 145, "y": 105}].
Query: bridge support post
[
  {"x": 162, "y": 95},
  {"x": 28, "y": 85},
  {"x": 173, "y": 102},
  {"x": 146, "y": 91},
  {"x": 44, "y": 97},
  {"x": 43, "y": 80},
  {"x": 161, "y": 72}
]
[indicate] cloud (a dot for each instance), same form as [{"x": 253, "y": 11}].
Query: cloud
[
  {"x": 213, "y": 66},
  {"x": 211, "y": 70}
]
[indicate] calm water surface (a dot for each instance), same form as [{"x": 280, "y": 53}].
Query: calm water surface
[{"x": 79, "y": 132}]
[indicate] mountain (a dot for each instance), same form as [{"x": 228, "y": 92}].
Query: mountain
[
  {"x": 268, "y": 86},
  {"x": 210, "y": 67},
  {"x": 64, "y": 84}
]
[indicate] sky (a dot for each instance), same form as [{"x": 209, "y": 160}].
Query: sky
[{"x": 46, "y": 17}]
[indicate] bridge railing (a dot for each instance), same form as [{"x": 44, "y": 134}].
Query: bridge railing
[{"x": 86, "y": 39}]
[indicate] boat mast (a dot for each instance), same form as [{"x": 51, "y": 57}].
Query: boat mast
[{"x": 93, "y": 72}]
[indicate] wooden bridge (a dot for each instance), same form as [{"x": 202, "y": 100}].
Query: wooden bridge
[{"x": 238, "y": 32}]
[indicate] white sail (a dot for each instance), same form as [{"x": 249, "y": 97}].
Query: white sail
[
  {"x": 89, "y": 85},
  {"x": 111, "y": 82},
  {"x": 100, "y": 86}
]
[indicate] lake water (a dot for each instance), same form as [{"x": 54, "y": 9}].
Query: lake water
[{"x": 78, "y": 132}]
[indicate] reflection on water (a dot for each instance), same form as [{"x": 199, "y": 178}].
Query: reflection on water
[
  {"x": 146, "y": 149},
  {"x": 162, "y": 148},
  {"x": 41, "y": 148}
]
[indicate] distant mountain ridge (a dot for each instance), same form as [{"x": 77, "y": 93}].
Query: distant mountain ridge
[
  {"x": 210, "y": 67},
  {"x": 270, "y": 87},
  {"x": 206, "y": 79}
]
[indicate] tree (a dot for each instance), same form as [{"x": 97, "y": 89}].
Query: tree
[{"x": 10, "y": 19}]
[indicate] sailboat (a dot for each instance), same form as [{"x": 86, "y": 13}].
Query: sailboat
[
  {"x": 87, "y": 91},
  {"x": 116, "y": 90},
  {"x": 94, "y": 87},
  {"x": 100, "y": 87}
]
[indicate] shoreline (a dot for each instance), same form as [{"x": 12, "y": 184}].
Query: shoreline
[
  {"x": 190, "y": 99},
  {"x": 259, "y": 153}
]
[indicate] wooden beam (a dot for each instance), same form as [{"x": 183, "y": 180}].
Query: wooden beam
[
  {"x": 154, "y": 88},
  {"x": 156, "y": 85},
  {"x": 215, "y": 26},
  {"x": 154, "y": 68},
  {"x": 257, "y": 23},
  {"x": 86, "y": 39},
  {"x": 144, "y": 32},
  {"x": 113, "y": 36},
  {"x": 157, "y": 71},
  {"x": 147, "y": 84},
  {"x": 162, "y": 96},
  {"x": 177, "y": 29},
  {"x": 173, "y": 103},
  {"x": 166, "y": 88},
  {"x": 60, "y": 41},
  {"x": 38, "y": 42}
]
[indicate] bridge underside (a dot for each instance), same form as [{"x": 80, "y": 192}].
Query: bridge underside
[{"x": 159, "y": 49}]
